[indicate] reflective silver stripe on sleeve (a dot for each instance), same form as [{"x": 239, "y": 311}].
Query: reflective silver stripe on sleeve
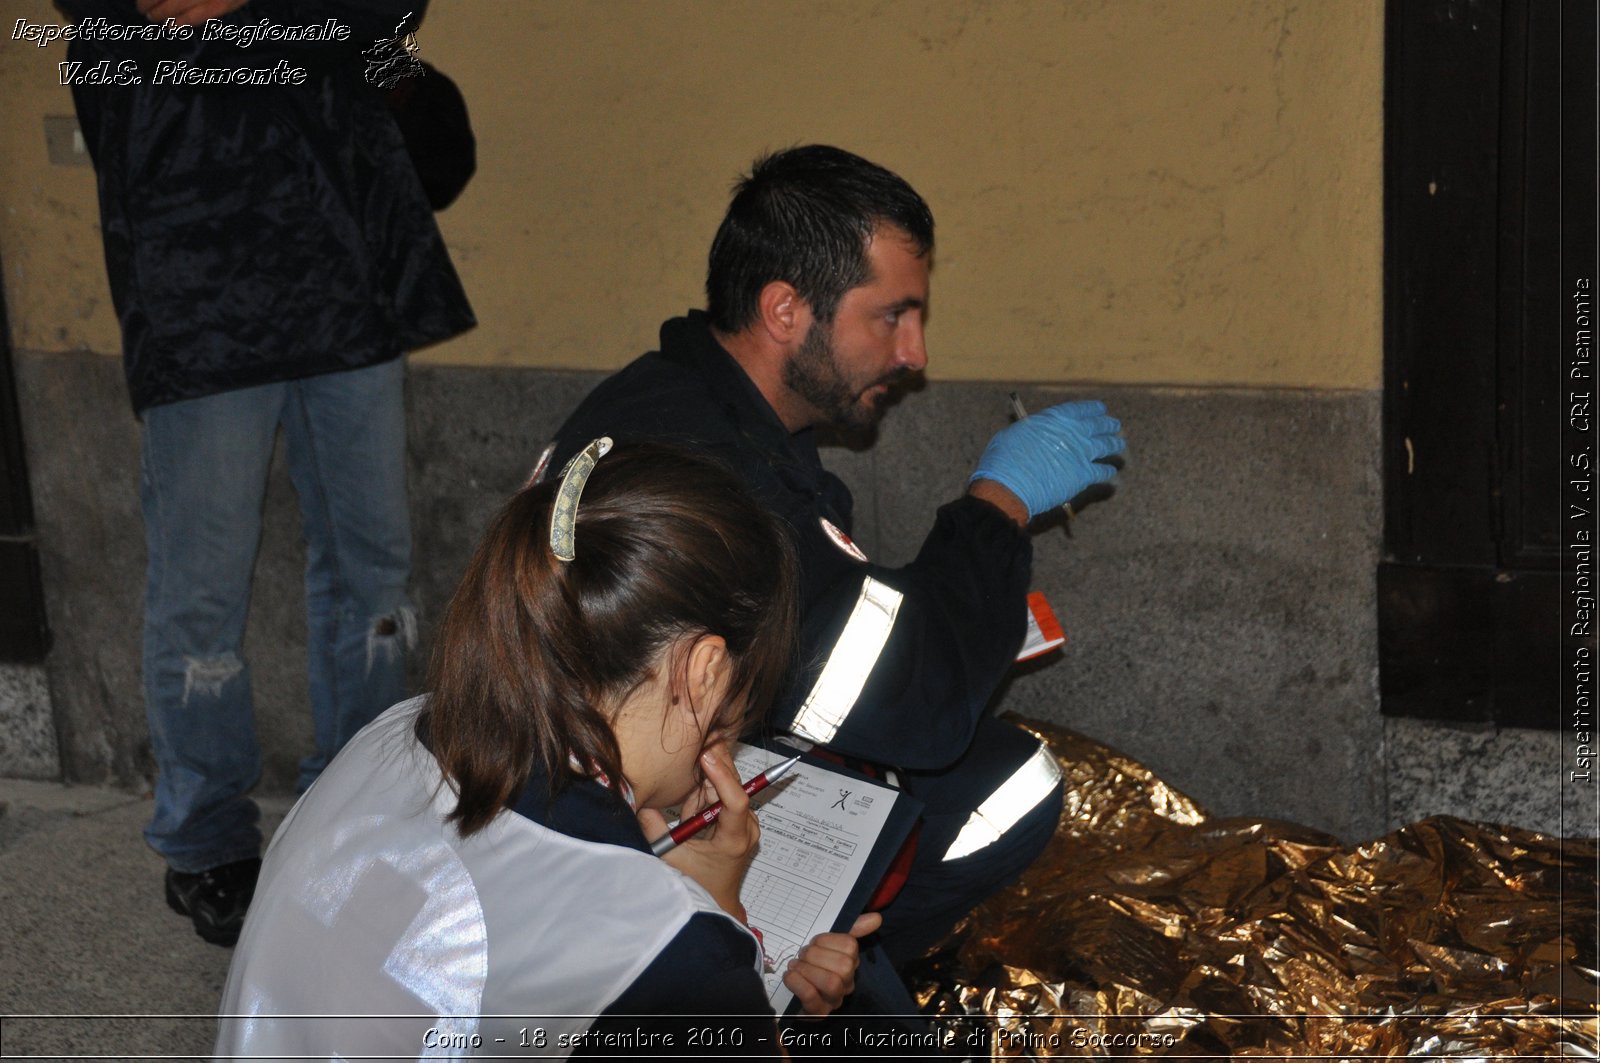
[
  {"x": 1012, "y": 800},
  {"x": 851, "y": 661}
]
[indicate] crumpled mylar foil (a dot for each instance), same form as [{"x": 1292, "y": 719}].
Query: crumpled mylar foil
[{"x": 1149, "y": 928}]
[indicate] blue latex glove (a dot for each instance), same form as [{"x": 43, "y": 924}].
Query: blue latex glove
[{"x": 1049, "y": 458}]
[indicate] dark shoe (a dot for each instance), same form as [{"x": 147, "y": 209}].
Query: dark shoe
[{"x": 216, "y": 899}]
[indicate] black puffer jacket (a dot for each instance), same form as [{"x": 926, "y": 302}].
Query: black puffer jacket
[{"x": 257, "y": 233}]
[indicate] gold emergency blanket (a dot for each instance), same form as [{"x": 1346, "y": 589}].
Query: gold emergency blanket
[{"x": 1149, "y": 928}]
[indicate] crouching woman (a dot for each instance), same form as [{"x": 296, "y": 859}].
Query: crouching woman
[{"x": 472, "y": 876}]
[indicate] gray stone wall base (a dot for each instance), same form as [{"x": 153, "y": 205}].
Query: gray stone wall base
[
  {"x": 1220, "y": 607},
  {"x": 27, "y": 729}
]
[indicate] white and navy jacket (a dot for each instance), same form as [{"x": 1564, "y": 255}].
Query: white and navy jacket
[{"x": 377, "y": 930}]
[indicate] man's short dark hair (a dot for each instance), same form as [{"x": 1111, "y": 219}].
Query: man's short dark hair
[{"x": 805, "y": 216}]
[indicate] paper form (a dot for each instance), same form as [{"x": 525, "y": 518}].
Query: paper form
[
  {"x": 1044, "y": 630},
  {"x": 818, "y": 828}
]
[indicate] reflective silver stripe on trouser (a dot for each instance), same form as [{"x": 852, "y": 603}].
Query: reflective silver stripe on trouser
[
  {"x": 854, "y": 654},
  {"x": 1015, "y": 798}
]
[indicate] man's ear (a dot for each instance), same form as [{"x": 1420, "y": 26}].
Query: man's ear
[
  {"x": 784, "y": 315},
  {"x": 707, "y": 671}
]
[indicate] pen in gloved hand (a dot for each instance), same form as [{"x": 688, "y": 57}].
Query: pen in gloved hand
[{"x": 1020, "y": 412}]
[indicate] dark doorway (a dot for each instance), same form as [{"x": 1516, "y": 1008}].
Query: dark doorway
[
  {"x": 24, "y": 636},
  {"x": 1489, "y": 218}
]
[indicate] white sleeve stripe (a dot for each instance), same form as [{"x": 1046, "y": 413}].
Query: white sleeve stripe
[
  {"x": 1013, "y": 799},
  {"x": 854, "y": 655}
]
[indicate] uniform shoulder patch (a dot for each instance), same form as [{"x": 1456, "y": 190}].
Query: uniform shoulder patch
[
  {"x": 543, "y": 466},
  {"x": 840, "y": 539}
]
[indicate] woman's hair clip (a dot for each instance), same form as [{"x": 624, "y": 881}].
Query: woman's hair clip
[{"x": 564, "y": 514}]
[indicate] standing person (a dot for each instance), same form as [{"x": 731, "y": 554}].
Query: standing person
[
  {"x": 816, "y": 292},
  {"x": 271, "y": 256},
  {"x": 474, "y": 870}
]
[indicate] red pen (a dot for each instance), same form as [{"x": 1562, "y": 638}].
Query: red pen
[{"x": 703, "y": 819}]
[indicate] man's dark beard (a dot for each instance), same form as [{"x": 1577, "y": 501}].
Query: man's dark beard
[{"x": 813, "y": 374}]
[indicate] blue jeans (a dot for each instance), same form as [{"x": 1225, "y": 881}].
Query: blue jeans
[{"x": 204, "y": 475}]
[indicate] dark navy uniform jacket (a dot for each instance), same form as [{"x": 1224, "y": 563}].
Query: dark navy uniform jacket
[{"x": 898, "y": 664}]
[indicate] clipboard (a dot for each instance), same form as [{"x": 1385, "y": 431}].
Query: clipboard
[{"x": 828, "y": 836}]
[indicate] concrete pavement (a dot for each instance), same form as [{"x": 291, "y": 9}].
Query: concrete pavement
[{"x": 92, "y": 961}]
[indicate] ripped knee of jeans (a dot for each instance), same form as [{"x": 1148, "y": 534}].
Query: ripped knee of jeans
[
  {"x": 206, "y": 676},
  {"x": 390, "y": 635}
]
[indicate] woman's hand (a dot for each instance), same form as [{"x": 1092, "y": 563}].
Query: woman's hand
[
  {"x": 825, "y": 971},
  {"x": 719, "y": 855}
]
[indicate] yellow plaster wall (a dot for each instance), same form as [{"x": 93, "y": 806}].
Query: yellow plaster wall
[
  {"x": 1137, "y": 192},
  {"x": 55, "y": 275}
]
